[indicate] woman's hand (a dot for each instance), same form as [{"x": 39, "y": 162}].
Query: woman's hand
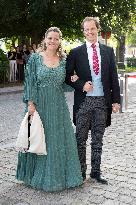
[
  {"x": 31, "y": 108},
  {"x": 74, "y": 78}
]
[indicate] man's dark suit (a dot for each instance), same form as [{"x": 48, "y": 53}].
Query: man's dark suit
[{"x": 77, "y": 62}]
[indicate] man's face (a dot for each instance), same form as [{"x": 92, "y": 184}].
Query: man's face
[{"x": 90, "y": 31}]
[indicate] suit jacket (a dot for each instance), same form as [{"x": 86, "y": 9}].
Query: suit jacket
[{"x": 77, "y": 62}]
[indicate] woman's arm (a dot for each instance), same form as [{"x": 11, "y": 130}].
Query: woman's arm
[{"x": 30, "y": 82}]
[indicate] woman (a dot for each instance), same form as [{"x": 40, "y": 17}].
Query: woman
[
  {"x": 45, "y": 75},
  {"x": 34, "y": 47},
  {"x": 20, "y": 64},
  {"x": 26, "y": 54},
  {"x": 12, "y": 64}
]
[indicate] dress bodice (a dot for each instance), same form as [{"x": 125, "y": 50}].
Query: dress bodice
[{"x": 47, "y": 76}]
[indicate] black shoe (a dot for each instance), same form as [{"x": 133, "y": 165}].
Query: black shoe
[
  {"x": 84, "y": 176},
  {"x": 99, "y": 179}
]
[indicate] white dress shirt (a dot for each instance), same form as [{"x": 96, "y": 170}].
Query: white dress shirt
[{"x": 96, "y": 79}]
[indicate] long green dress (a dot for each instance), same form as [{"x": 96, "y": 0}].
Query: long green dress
[{"x": 60, "y": 168}]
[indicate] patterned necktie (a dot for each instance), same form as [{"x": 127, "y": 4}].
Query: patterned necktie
[{"x": 95, "y": 60}]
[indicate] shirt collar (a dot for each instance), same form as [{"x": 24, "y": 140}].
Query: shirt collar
[{"x": 88, "y": 44}]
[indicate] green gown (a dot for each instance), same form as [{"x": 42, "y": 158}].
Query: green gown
[{"x": 60, "y": 168}]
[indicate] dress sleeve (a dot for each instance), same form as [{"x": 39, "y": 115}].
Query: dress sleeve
[
  {"x": 30, "y": 82},
  {"x": 67, "y": 88}
]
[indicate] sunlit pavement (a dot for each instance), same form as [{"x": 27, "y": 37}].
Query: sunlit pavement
[{"x": 118, "y": 159}]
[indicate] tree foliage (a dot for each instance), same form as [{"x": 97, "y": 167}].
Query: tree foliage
[
  {"x": 33, "y": 17},
  {"x": 4, "y": 66},
  {"x": 132, "y": 38}
]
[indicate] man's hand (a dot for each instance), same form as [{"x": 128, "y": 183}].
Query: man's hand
[
  {"x": 88, "y": 86},
  {"x": 115, "y": 107}
]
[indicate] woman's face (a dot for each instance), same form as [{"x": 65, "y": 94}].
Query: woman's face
[
  {"x": 34, "y": 46},
  {"x": 24, "y": 46},
  {"x": 17, "y": 49},
  {"x": 52, "y": 40}
]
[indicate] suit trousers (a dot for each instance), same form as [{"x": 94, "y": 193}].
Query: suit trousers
[{"x": 92, "y": 114}]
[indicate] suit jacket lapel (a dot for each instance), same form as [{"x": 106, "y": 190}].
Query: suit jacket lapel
[
  {"x": 103, "y": 59},
  {"x": 86, "y": 61}
]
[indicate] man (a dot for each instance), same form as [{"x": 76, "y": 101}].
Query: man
[{"x": 96, "y": 94}]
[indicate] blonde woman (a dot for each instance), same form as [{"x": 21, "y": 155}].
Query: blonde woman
[{"x": 44, "y": 78}]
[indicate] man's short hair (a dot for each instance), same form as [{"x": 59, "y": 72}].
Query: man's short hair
[{"x": 95, "y": 19}]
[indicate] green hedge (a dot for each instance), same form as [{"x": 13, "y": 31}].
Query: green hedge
[
  {"x": 4, "y": 66},
  {"x": 131, "y": 62}
]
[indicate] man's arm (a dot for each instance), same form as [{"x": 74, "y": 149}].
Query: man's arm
[{"x": 114, "y": 83}]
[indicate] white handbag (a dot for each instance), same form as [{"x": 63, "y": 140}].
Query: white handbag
[{"x": 37, "y": 136}]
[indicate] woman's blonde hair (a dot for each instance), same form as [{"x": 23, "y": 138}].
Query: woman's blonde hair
[{"x": 43, "y": 47}]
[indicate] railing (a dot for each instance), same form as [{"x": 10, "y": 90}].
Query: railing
[
  {"x": 127, "y": 75},
  {"x": 121, "y": 78},
  {"x": 123, "y": 81}
]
